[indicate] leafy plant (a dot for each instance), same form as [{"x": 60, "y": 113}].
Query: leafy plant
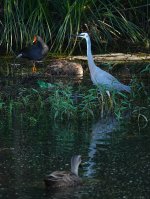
[
  {"x": 89, "y": 106},
  {"x": 64, "y": 103},
  {"x": 61, "y": 103}
]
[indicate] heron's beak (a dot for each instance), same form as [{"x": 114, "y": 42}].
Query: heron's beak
[{"x": 73, "y": 35}]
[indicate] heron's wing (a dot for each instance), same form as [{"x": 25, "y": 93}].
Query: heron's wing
[
  {"x": 109, "y": 81},
  {"x": 102, "y": 77}
]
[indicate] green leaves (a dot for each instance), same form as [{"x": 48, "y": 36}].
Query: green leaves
[
  {"x": 64, "y": 103},
  {"x": 61, "y": 103}
]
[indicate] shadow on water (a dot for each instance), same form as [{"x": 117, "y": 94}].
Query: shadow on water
[{"x": 116, "y": 161}]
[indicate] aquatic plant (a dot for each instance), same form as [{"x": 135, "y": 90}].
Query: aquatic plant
[
  {"x": 146, "y": 69},
  {"x": 88, "y": 105},
  {"x": 137, "y": 104},
  {"x": 60, "y": 102}
]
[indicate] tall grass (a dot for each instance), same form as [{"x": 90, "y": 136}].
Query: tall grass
[
  {"x": 24, "y": 19},
  {"x": 105, "y": 20},
  {"x": 56, "y": 20}
]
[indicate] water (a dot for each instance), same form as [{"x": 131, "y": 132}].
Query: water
[{"x": 116, "y": 157}]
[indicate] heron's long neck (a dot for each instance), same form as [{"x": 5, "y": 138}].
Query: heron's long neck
[{"x": 91, "y": 63}]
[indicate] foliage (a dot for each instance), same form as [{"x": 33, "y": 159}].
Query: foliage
[
  {"x": 138, "y": 104},
  {"x": 64, "y": 103},
  {"x": 56, "y": 20}
]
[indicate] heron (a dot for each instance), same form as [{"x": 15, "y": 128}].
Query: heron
[{"x": 100, "y": 77}]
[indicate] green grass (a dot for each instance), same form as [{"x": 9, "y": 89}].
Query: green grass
[
  {"x": 22, "y": 20},
  {"x": 106, "y": 21}
]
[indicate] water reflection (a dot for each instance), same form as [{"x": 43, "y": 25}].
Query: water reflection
[
  {"x": 15, "y": 72},
  {"x": 116, "y": 167},
  {"x": 100, "y": 136},
  {"x": 117, "y": 161}
]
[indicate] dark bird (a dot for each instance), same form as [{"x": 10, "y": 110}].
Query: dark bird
[
  {"x": 59, "y": 179},
  {"x": 35, "y": 52}
]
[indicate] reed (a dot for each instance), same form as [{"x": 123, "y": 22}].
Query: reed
[
  {"x": 55, "y": 20},
  {"x": 22, "y": 20}
]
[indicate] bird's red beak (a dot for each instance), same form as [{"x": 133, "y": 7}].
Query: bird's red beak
[{"x": 34, "y": 39}]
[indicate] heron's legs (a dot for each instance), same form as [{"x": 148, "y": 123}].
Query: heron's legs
[
  {"x": 110, "y": 100},
  {"x": 102, "y": 104},
  {"x": 102, "y": 99},
  {"x": 108, "y": 93}
]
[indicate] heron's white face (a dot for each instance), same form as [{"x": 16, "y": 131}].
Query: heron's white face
[{"x": 83, "y": 35}]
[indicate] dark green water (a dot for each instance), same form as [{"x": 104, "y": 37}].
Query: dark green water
[{"x": 116, "y": 157}]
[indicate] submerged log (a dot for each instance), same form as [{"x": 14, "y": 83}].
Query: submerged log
[{"x": 116, "y": 57}]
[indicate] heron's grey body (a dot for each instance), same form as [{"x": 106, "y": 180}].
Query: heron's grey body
[{"x": 100, "y": 77}]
